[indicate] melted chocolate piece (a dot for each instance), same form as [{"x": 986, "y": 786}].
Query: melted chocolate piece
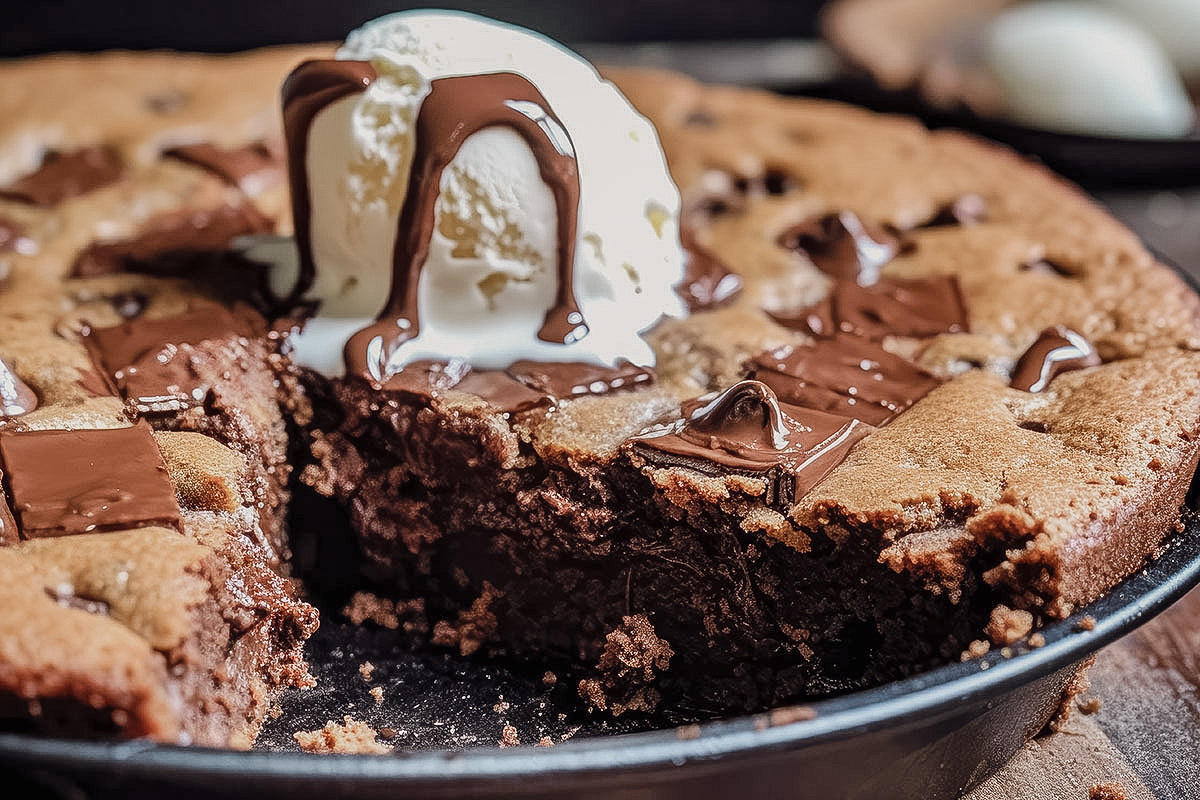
[
  {"x": 503, "y": 392},
  {"x": 1057, "y": 350},
  {"x": 565, "y": 379},
  {"x": 969, "y": 209},
  {"x": 191, "y": 231},
  {"x": 308, "y": 90},
  {"x": 65, "y": 175},
  {"x": 251, "y": 168},
  {"x": 16, "y": 398},
  {"x": 845, "y": 375},
  {"x": 918, "y": 307},
  {"x": 142, "y": 356},
  {"x": 71, "y": 482},
  {"x": 707, "y": 280},
  {"x": 455, "y": 108},
  {"x": 843, "y": 246},
  {"x": 746, "y": 429}
]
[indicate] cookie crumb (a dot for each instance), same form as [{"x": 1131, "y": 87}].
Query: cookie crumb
[
  {"x": 549, "y": 679},
  {"x": 1088, "y": 623},
  {"x": 348, "y": 736},
  {"x": 1037, "y": 640},
  {"x": 790, "y": 715},
  {"x": 1089, "y": 707},
  {"x": 1109, "y": 790},
  {"x": 1007, "y": 626},
  {"x": 377, "y": 693},
  {"x": 545, "y": 741},
  {"x": 502, "y": 706},
  {"x": 508, "y": 737},
  {"x": 976, "y": 649},
  {"x": 390, "y": 614},
  {"x": 366, "y": 669}
]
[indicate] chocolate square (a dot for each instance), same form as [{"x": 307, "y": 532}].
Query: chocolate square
[{"x": 78, "y": 481}]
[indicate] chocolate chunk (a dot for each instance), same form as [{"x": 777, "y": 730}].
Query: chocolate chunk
[
  {"x": 843, "y": 246},
  {"x": 918, "y": 307},
  {"x": 1057, "y": 350},
  {"x": 143, "y": 357},
  {"x": 252, "y": 167},
  {"x": 190, "y": 231},
  {"x": 746, "y": 429},
  {"x": 71, "y": 482},
  {"x": 563, "y": 379},
  {"x": 65, "y": 175},
  {"x": 428, "y": 379},
  {"x": 707, "y": 280},
  {"x": 845, "y": 375},
  {"x": 16, "y": 398}
]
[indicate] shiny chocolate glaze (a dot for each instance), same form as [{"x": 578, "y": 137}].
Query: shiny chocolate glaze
[
  {"x": 455, "y": 108},
  {"x": 65, "y": 175},
  {"x": 1057, "y": 350},
  {"x": 746, "y": 429},
  {"x": 16, "y": 398},
  {"x": 71, "y": 482},
  {"x": 847, "y": 375},
  {"x": 308, "y": 90}
]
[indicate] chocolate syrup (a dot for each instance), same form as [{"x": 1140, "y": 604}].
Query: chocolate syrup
[
  {"x": 455, "y": 108},
  {"x": 309, "y": 90},
  {"x": 1057, "y": 350}
]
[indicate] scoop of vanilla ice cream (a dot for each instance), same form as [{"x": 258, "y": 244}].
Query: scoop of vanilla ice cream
[
  {"x": 491, "y": 271},
  {"x": 1176, "y": 26},
  {"x": 1079, "y": 67}
]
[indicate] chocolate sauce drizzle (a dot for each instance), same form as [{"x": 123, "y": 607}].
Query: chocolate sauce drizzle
[
  {"x": 455, "y": 108},
  {"x": 746, "y": 429},
  {"x": 308, "y": 90},
  {"x": 1057, "y": 350}
]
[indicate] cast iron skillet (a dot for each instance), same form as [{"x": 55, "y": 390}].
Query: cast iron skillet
[{"x": 932, "y": 736}]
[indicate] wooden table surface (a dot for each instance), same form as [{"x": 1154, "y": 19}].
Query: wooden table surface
[{"x": 1146, "y": 733}]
